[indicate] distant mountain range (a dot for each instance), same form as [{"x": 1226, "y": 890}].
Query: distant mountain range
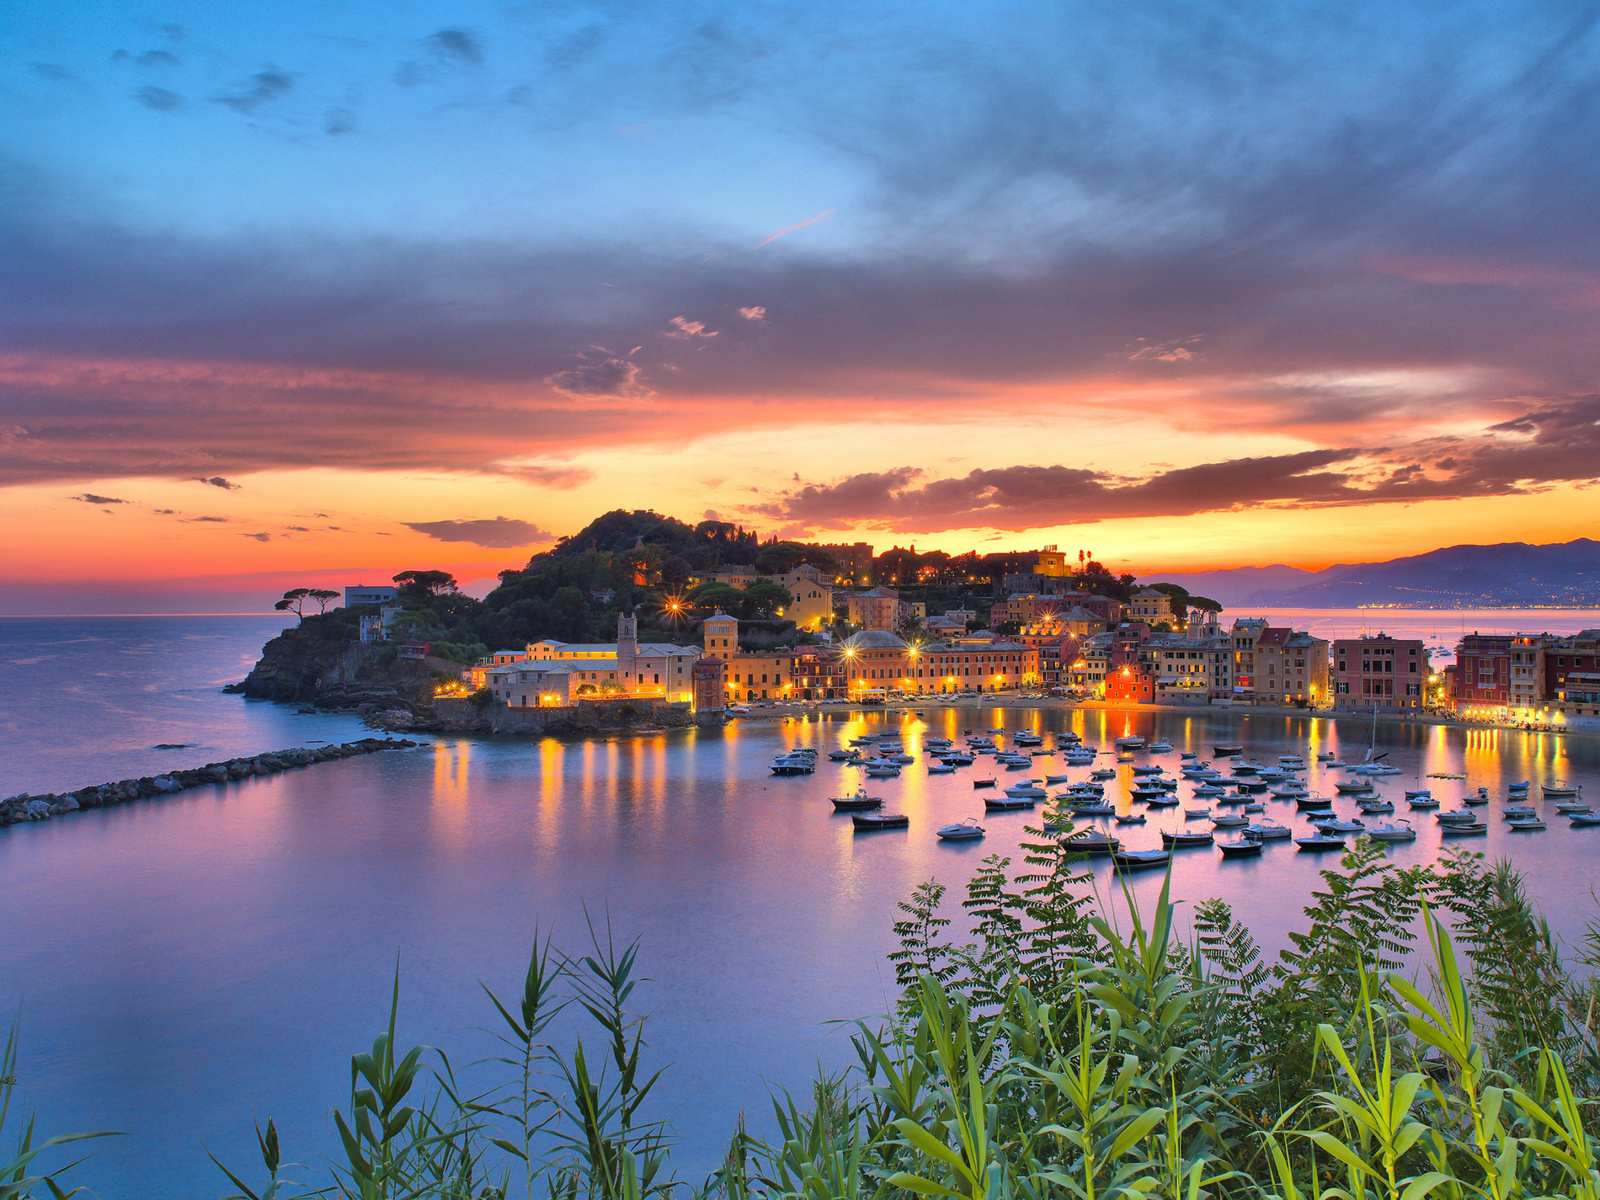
[{"x": 1510, "y": 574}]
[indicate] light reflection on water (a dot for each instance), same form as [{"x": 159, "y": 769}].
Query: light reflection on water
[{"x": 191, "y": 963}]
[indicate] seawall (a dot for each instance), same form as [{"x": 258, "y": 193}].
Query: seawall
[{"x": 15, "y": 809}]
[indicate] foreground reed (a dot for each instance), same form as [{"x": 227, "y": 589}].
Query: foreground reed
[{"x": 1060, "y": 1055}]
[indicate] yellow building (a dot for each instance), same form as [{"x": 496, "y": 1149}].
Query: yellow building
[
  {"x": 749, "y": 675},
  {"x": 812, "y": 607}
]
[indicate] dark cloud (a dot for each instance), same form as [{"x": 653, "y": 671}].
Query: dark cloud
[
  {"x": 502, "y": 533},
  {"x": 297, "y": 528},
  {"x": 338, "y": 120},
  {"x": 217, "y": 481},
  {"x": 260, "y": 537},
  {"x": 208, "y": 520},
  {"x": 264, "y": 86},
  {"x": 558, "y": 476},
  {"x": 1556, "y": 444},
  {"x": 599, "y": 373},
  {"x": 456, "y": 46},
  {"x": 157, "y": 58},
  {"x": 158, "y": 98},
  {"x": 91, "y": 498}
]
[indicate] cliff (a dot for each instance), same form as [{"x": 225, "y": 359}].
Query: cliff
[{"x": 296, "y": 667}]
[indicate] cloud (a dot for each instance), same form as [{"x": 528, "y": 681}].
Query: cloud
[
  {"x": 159, "y": 99},
  {"x": 337, "y": 121},
  {"x": 207, "y": 520},
  {"x": 264, "y": 86},
  {"x": 157, "y": 58},
  {"x": 297, "y": 528},
  {"x": 599, "y": 373},
  {"x": 217, "y": 481},
  {"x": 502, "y": 533},
  {"x": 91, "y": 498},
  {"x": 755, "y": 312},
  {"x": 260, "y": 537},
  {"x": 556, "y": 475},
  {"x": 778, "y": 233},
  {"x": 682, "y": 327},
  {"x": 456, "y": 46}
]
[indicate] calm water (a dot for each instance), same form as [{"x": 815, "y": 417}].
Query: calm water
[{"x": 185, "y": 966}]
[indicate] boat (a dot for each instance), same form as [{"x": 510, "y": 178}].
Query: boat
[
  {"x": 1459, "y": 816},
  {"x": 1095, "y": 809},
  {"x": 843, "y": 755},
  {"x": 1332, "y": 824},
  {"x": 1185, "y": 840},
  {"x": 1290, "y": 791},
  {"x": 962, "y": 831},
  {"x": 1456, "y": 829},
  {"x": 1206, "y": 791},
  {"x": 941, "y": 769},
  {"x": 1008, "y": 804},
  {"x": 1330, "y": 761},
  {"x": 1398, "y": 831},
  {"x": 1159, "y": 747},
  {"x": 1024, "y": 738},
  {"x": 1187, "y": 756},
  {"x": 1245, "y": 847},
  {"x": 1051, "y": 780},
  {"x": 1130, "y": 819},
  {"x": 1103, "y": 773},
  {"x": 1027, "y": 791},
  {"x": 1147, "y": 793},
  {"x": 1197, "y": 813},
  {"x": 983, "y": 783},
  {"x": 1151, "y": 769},
  {"x": 1559, "y": 790},
  {"x": 1481, "y": 797},
  {"x": 1525, "y": 824},
  {"x": 1266, "y": 831},
  {"x": 1512, "y": 812},
  {"x": 1131, "y": 741},
  {"x": 1134, "y": 860},
  {"x": 1415, "y": 794},
  {"x": 1250, "y": 787},
  {"x": 1305, "y": 802},
  {"x": 1229, "y": 822},
  {"x": 1327, "y": 756},
  {"x": 1162, "y": 800},
  {"x": 1353, "y": 787},
  {"x": 1227, "y": 749},
  {"x": 1517, "y": 787},
  {"x": 859, "y": 802},
  {"x": 1568, "y": 808},
  {"x": 1424, "y": 803},
  {"x": 789, "y": 764},
  {"x": 1584, "y": 820},
  {"x": 1255, "y": 807},
  {"x": 1318, "y": 842},
  {"x": 1292, "y": 760},
  {"x": 872, "y": 820},
  {"x": 1091, "y": 841},
  {"x": 1246, "y": 768},
  {"x": 883, "y": 771},
  {"x": 1376, "y": 805},
  {"x": 1074, "y": 758},
  {"x": 901, "y": 757}
]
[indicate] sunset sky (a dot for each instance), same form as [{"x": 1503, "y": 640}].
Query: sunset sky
[{"x": 313, "y": 293}]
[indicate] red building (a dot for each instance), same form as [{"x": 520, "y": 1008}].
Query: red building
[
  {"x": 1483, "y": 672},
  {"x": 709, "y": 675},
  {"x": 1130, "y": 679}
]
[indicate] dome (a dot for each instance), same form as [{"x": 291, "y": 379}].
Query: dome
[{"x": 873, "y": 639}]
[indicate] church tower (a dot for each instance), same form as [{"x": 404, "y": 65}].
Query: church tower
[{"x": 627, "y": 651}]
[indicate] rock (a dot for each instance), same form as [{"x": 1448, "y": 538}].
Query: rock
[
  {"x": 64, "y": 805},
  {"x": 35, "y": 810}
]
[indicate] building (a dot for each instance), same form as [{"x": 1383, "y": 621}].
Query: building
[
  {"x": 656, "y": 670},
  {"x": 1052, "y": 563},
  {"x": 1572, "y": 679},
  {"x": 876, "y": 608},
  {"x": 1153, "y": 608},
  {"x": 1379, "y": 671},
  {"x": 363, "y": 593},
  {"x": 879, "y": 662},
  {"x": 1483, "y": 675},
  {"x": 950, "y": 624},
  {"x": 1244, "y": 635},
  {"x": 1192, "y": 670},
  {"x": 855, "y": 562},
  {"x": 1291, "y": 669},
  {"x": 812, "y": 606},
  {"x": 709, "y": 676}
]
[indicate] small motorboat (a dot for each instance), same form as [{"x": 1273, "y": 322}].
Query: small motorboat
[
  {"x": 1330, "y": 760},
  {"x": 1131, "y": 741},
  {"x": 1135, "y": 860},
  {"x": 1007, "y": 804},
  {"x": 1227, "y": 749},
  {"x": 1207, "y": 790},
  {"x": 1457, "y": 829},
  {"x": 1353, "y": 787},
  {"x": 1376, "y": 806},
  {"x": 1246, "y": 768},
  {"x": 1293, "y": 761},
  {"x": 1188, "y": 756},
  {"x": 1162, "y": 800},
  {"x": 1197, "y": 813},
  {"x": 1052, "y": 780},
  {"x": 1423, "y": 803},
  {"x": 941, "y": 769},
  {"x": 1130, "y": 819},
  {"x": 1415, "y": 794},
  {"x": 860, "y": 802},
  {"x": 962, "y": 831},
  {"x": 1584, "y": 820},
  {"x": 1027, "y": 791},
  {"x": 1095, "y": 808},
  {"x": 1525, "y": 824},
  {"x": 1153, "y": 769},
  {"x": 1456, "y": 816},
  {"x": 1332, "y": 824},
  {"x": 1327, "y": 756},
  {"x": 983, "y": 783},
  {"x": 1091, "y": 841},
  {"x": 1398, "y": 831},
  {"x": 1290, "y": 791},
  {"x": 1569, "y": 808},
  {"x": 793, "y": 764},
  {"x": 1267, "y": 831},
  {"x": 873, "y": 820},
  {"x": 843, "y": 755},
  {"x": 1255, "y": 806},
  {"x": 1481, "y": 797},
  {"x": 1250, "y": 787},
  {"x": 956, "y": 759},
  {"x": 1312, "y": 802},
  {"x": 1147, "y": 793},
  {"x": 1513, "y": 812},
  {"x": 1103, "y": 773},
  {"x": 1319, "y": 842},
  {"x": 1519, "y": 787},
  {"x": 1159, "y": 747},
  {"x": 882, "y": 771},
  {"x": 1244, "y": 847},
  {"x": 1229, "y": 822},
  {"x": 1185, "y": 840},
  {"x": 1560, "y": 790}
]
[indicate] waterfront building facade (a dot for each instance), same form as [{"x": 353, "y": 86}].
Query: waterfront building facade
[
  {"x": 1153, "y": 608},
  {"x": 1379, "y": 671},
  {"x": 1483, "y": 675},
  {"x": 876, "y": 608}
]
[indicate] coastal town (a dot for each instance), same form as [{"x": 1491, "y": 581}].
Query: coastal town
[{"x": 1050, "y": 629}]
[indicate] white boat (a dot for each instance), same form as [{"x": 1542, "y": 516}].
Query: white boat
[
  {"x": 1267, "y": 830},
  {"x": 1027, "y": 791},
  {"x": 843, "y": 755},
  {"x": 1159, "y": 747},
  {"x": 1130, "y": 741},
  {"x": 1103, "y": 773},
  {"x": 1051, "y": 780},
  {"x": 1424, "y": 802},
  {"x": 1376, "y": 805},
  {"x": 939, "y": 768},
  {"x": 1560, "y": 790},
  {"x": 1515, "y": 812},
  {"x": 1332, "y": 824},
  {"x": 1351, "y": 787},
  {"x": 1229, "y": 822},
  {"x": 1327, "y": 756},
  {"x": 1292, "y": 760},
  {"x": 1398, "y": 831},
  {"x": 1330, "y": 761},
  {"x": 883, "y": 771},
  {"x": 1197, "y": 813},
  {"x": 962, "y": 831},
  {"x": 1526, "y": 824},
  {"x": 1456, "y": 816},
  {"x": 1568, "y": 808}
]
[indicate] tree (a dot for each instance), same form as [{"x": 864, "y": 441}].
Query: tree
[
  {"x": 764, "y": 596},
  {"x": 294, "y": 600},
  {"x": 425, "y": 585},
  {"x": 322, "y": 596}
]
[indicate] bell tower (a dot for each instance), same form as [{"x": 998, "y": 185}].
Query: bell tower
[{"x": 627, "y": 650}]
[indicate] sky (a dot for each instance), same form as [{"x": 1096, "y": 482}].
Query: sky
[{"x": 311, "y": 293}]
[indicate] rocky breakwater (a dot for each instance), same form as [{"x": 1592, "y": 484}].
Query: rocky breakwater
[{"x": 39, "y": 808}]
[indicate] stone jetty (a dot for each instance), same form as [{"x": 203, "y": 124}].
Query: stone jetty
[{"x": 40, "y": 808}]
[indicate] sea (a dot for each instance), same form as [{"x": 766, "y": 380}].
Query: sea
[{"x": 182, "y": 968}]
